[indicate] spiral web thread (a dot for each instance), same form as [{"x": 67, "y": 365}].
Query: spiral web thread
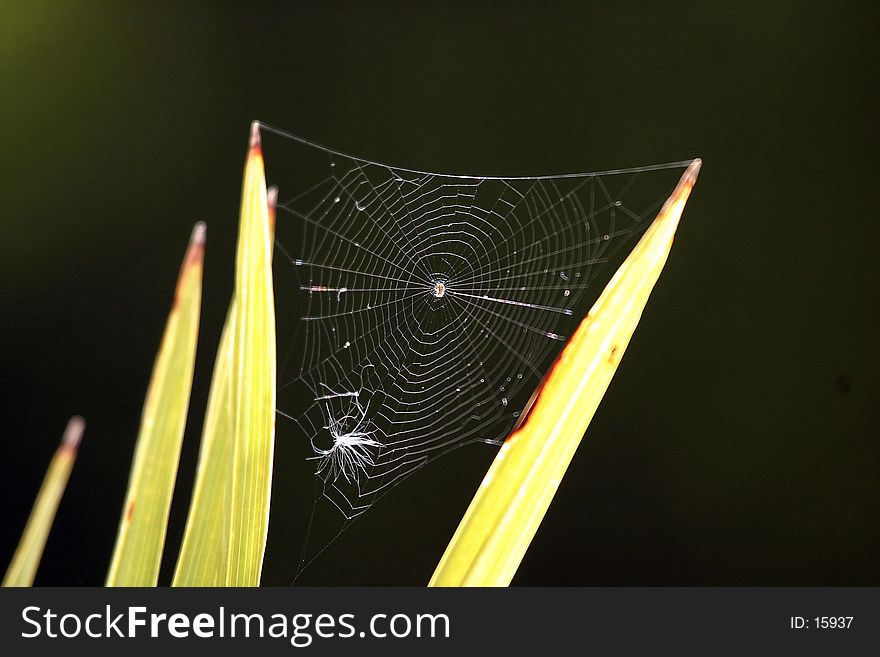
[{"x": 433, "y": 304}]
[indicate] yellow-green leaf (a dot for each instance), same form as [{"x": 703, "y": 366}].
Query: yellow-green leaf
[
  {"x": 252, "y": 380},
  {"x": 503, "y": 517},
  {"x": 203, "y": 559},
  {"x": 27, "y": 555},
  {"x": 141, "y": 536}
]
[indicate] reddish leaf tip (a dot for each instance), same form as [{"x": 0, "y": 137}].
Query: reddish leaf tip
[
  {"x": 199, "y": 232},
  {"x": 255, "y": 135},
  {"x": 693, "y": 169},
  {"x": 73, "y": 433}
]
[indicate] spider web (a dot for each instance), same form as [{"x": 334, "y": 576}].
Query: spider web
[{"x": 431, "y": 305}]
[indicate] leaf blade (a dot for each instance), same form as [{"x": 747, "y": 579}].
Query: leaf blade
[
  {"x": 142, "y": 527},
  {"x": 26, "y": 560},
  {"x": 502, "y": 519},
  {"x": 203, "y": 558},
  {"x": 253, "y": 373}
]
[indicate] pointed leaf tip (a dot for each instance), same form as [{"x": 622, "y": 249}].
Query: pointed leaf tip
[
  {"x": 73, "y": 433},
  {"x": 674, "y": 205},
  {"x": 195, "y": 252},
  {"x": 199, "y": 233},
  {"x": 692, "y": 171},
  {"x": 255, "y": 142}
]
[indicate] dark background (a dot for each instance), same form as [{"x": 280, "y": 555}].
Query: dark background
[{"x": 738, "y": 443}]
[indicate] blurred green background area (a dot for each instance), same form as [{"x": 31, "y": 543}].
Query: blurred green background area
[{"x": 739, "y": 441}]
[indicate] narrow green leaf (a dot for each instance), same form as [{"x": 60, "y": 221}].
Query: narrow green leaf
[
  {"x": 27, "y": 555},
  {"x": 252, "y": 379},
  {"x": 504, "y": 515},
  {"x": 203, "y": 559},
  {"x": 139, "y": 543}
]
